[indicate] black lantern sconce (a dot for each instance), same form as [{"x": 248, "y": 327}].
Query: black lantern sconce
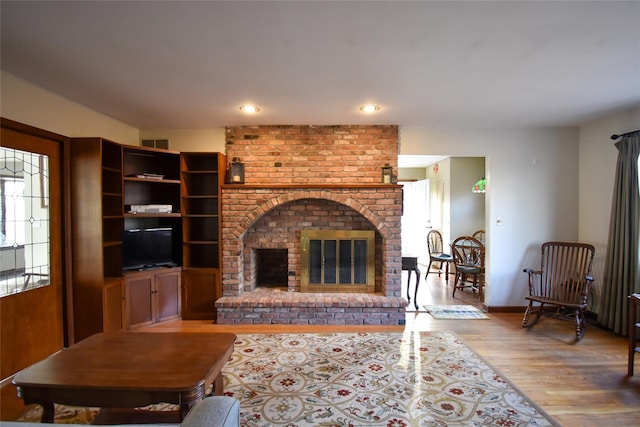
[
  {"x": 236, "y": 171},
  {"x": 387, "y": 174}
]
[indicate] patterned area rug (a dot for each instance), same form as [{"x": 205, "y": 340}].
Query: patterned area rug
[
  {"x": 371, "y": 379},
  {"x": 360, "y": 379},
  {"x": 63, "y": 414},
  {"x": 455, "y": 312},
  {"x": 79, "y": 415}
]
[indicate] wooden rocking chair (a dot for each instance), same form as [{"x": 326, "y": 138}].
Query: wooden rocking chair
[{"x": 563, "y": 281}]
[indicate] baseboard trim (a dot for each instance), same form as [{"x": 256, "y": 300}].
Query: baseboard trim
[{"x": 504, "y": 309}]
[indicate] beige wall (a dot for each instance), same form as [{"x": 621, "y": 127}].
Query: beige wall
[
  {"x": 467, "y": 208},
  {"x": 545, "y": 184},
  {"x": 32, "y": 105},
  {"x": 191, "y": 140},
  {"x": 598, "y": 158},
  {"x": 29, "y": 104},
  {"x": 412, "y": 174},
  {"x": 532, "y": 177}
]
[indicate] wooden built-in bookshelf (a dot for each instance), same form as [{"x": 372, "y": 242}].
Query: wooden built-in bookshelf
[
  {"x": 107, "y": 181},
  {"x": 202, "y": 177}
]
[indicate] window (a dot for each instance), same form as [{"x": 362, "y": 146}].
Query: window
[
  {"x": 24, "y": 221},
  {"x": 12, "y": 202}
]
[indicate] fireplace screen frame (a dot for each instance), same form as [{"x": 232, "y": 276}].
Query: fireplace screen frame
[{"x": 318, "y": 245}]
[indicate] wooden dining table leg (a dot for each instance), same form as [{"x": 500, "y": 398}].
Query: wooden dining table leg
[
  {"x": 415, "y": 295},
  {"x": 37, "y": 396},
  {"x": 410, "y": 264},
  {"x": 416, "y": 270},
  {"x": 408, "y": 286},
  {"x": 48, "y": 412}
]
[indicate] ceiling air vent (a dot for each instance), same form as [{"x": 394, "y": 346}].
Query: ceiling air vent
[{"x": 155, "y": 143}]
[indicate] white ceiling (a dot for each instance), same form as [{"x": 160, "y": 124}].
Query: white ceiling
[{"x": 188, "y": 65}]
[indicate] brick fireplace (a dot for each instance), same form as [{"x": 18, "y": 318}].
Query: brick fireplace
[{"x": 311, "y": 178}]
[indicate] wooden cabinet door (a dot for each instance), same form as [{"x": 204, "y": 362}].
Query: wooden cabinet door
[
  {"x": 200, "y": 289},
  {"x": 113, "y": 318},
  {"x": 139, "y": 306},
  {"x": 167, "y": 295}
]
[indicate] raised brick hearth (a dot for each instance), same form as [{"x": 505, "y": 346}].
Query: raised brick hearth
[
  {"x": 317, "y": 178},
  {"x": 272, "y": 306}
]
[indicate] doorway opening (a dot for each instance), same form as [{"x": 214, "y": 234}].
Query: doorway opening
[{"x": 438, "y": 195}]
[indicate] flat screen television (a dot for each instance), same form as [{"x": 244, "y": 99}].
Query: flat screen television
[{"x": 144, "y": 248}]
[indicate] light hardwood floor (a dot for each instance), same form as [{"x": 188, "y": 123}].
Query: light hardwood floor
[{"x": 579, "y": 384}]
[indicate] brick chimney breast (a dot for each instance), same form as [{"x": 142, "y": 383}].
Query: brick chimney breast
[
  {"x": 309, "y": 177},
  {"x": 344, "y": 154}
]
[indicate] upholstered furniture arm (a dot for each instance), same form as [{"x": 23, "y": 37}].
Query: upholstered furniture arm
[{"x": 214, "y": 411}]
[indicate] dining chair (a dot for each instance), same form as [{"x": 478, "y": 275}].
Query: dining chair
[
  {"x": 468, "y": 258},
  {"x": 480, "y": 234},
  {"x": 437, "y": 254}
]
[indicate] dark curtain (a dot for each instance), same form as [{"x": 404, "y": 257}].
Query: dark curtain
[{"x": 622, "y": 266}]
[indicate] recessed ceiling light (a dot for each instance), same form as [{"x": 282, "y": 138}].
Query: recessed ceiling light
[
  {"x": 369, "y": 108},
  {"x": 249, "y": 108}
]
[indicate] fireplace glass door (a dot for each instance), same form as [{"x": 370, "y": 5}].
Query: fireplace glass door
[{"x": 338, "y": 261}]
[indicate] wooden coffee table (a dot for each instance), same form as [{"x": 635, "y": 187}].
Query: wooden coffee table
[{"x": 129, "y": 370}]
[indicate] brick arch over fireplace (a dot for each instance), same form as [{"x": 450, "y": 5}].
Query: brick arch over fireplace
[
  {"x": 243, "y": 206},
  {"x": 279, "y": 229},
  {"x": 259, "y": 211}
]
